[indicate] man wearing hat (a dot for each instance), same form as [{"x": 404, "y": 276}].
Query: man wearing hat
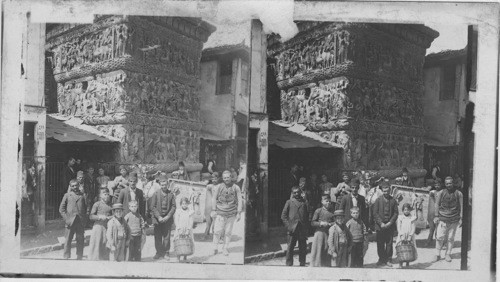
[
  {"x": 73, "y": 210},
  {"x": 117, "y": 234},
  {"x": 385, "y": 213},
  {"x": 163, "y": 209},
  {"x": 353, "y": 199},
  {"x": 295, "y": 216}
]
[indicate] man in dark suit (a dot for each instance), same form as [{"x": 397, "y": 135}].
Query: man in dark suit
[
  {"x": 385, "y": 212},
  {"x": 295, "y": 216},
  {"x": 73, "y": 210},
  {"x": 353, "y": 199},
  {"x": 293, "y": 179},
  {"x": 68, "y": 173},
  {"x": 131, "y": 193},
  {"x": 163, "y": 209}
]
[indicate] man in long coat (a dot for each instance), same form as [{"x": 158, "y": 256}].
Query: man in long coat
[{"x": 73, "y": 210}]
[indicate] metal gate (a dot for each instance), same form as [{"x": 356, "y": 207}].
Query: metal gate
[
  {"x": 278, "y": 194},
  {"x": 54, "y": 191}
]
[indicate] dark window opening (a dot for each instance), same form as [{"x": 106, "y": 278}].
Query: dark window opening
[
  {"x": 447, "y": 91},
  {"x": 29, "y": 139},
  {"x": 225, "y": 76}
]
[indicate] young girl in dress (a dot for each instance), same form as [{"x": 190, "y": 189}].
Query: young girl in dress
[
  {"x": 322, "y": 220},
  {"x": 100, "y": 214},
  {"x": 406, "y": 228},
  {"x": 184, "y": 224},
  {"x": 339, "y": 240}
]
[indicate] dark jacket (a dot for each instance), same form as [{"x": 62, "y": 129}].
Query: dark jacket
[
  {"x": 124, "y": 198},
  {"x": 156, "y": 207},
  {"x": 346, "y": 205},
  {"x": 73, "y": 205},
  {"x": 296, "y": 211},
  {"x": 67, "y": 175},
  {"x": 378, "y": 212}
]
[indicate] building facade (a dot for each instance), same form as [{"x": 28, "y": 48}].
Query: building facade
[
  {"x": 225, "y": 96},
  {"x": 136, "y": 79},
  {"x": 445, "y": 102},
  {"x": 359, "y": 86}
]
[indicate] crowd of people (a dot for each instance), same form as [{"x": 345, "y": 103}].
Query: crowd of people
[
  {"x": 120, "y": 210},
  {"x": 341, "y": 217}
]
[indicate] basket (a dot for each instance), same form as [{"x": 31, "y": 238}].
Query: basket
[
  {"x": 183, "y": 245},
  {"x": 406, "y": 251}
]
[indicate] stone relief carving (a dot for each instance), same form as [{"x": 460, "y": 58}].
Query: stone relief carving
[
  {"x": 148, "y": 144},
  {"x": 356, "y": 99},
  {"x": 121, "y": 40},
  {"x": 319, "y": 53},
  {"x": 129, "y": 92},
  {"x": 377, "y": 150}
]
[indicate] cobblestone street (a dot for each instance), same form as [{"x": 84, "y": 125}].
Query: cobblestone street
[
  {"x": 424, "y": 260},
  {"x": 203, "y": 248}
]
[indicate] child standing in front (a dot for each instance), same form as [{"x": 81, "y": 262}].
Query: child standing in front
[
  {"x": 117, "y": 235},
  {"x": 136, "y": 224},
  {"x": 358, "y": 232},
  {"x": 406, "y": 229},
  {"x": 100, "y": 214},
  {"x": 339, "y": 240},
  {"x": 322, "y": 220},
  {"x": 183, "y": 219}
]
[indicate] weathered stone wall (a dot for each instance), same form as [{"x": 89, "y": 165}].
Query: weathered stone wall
[
  {"x": 137, "y": 79},
  {"x": 358, "y": 85}
]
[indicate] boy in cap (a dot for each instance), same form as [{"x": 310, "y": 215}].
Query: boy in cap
[
  {"x": 117, "y": 234},
  {"x": 339, "y": 240}
]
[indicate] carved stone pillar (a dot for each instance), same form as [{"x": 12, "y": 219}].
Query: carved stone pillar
[
  {"x": 135, "y": 78},
  {"x": 358, "y": 85}
]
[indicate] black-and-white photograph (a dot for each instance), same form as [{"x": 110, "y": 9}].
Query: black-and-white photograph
[
  {"x": 249, "y": 140},
  {"x": 370, "y": 147},
  {"x": 137, "y": 149}
]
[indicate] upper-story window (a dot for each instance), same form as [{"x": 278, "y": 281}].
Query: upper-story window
[
  {"x": 225, "y": 72},
  {"x": 448, "y": 76}
]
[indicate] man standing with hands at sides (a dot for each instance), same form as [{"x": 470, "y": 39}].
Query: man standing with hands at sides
[
  {"x": 227, "y": 204},
  {"x": 163, "y": 209},
  {"x": 73, "y": 210},
  {"x": 385, "y": 212},
  {"x": 448, "y": 216},
  {"x": 296, "y": 219}
]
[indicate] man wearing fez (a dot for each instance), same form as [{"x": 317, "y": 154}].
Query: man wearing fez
[
  {"x": 73, "y": 210},
  {"x": 448, "y": 216},
  {"x": 131, "y": 193},
  {"x": 296, "y": 220},
  {"x": 163, "y": 209},
  {"x": 385, "y": 213}
]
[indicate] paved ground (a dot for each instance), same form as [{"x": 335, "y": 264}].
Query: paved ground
[
  {"x": 203, "y": 248},
  {"x": 424, "y": 261}
]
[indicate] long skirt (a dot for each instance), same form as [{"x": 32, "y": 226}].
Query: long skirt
[
  {"x": 319, "y": 250},
  {"x": 342, "y": 259},
  {"x": 97, "y": 245}
]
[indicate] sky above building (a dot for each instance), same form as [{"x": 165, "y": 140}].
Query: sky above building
[{"x": 451, "y": 37}]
